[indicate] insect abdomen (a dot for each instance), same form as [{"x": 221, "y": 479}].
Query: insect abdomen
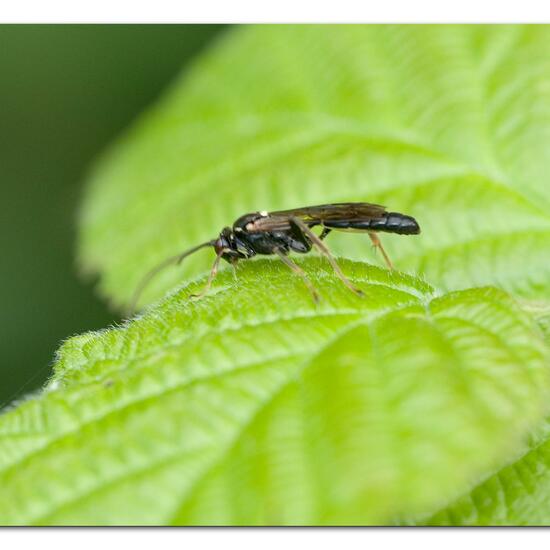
[{"x": 390, "y": 222}]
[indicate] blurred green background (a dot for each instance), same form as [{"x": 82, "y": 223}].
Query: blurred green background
[{"x": 66, "y": 91}]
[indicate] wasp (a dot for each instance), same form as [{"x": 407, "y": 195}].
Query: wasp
[{"x": 284, "y": 231}]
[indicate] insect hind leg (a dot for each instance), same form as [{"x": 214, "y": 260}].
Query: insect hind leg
[
  {"x": 377, "y": 244},
  {"x": 297, "y": 222}
]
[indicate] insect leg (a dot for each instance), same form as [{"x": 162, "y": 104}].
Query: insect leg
[
  {"x": 326, "y": 252},
  {"x": 324, "y": 233},
  {"x": 234, "y": 266},
  {"x": 299, "y": 271},
  {"x": 377, "y": 244},
  {"x": 211, "y": 277}
]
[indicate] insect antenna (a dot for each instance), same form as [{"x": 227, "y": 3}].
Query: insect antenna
[{"x": 177, "y": 259}]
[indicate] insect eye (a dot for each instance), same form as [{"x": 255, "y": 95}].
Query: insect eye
[{"x": 220, "y": 245}]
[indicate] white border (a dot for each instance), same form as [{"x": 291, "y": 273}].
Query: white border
[
  {"x": 272, "y": 539},
  {"x": 273, "y": 11}
]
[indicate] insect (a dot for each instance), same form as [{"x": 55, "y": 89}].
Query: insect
[{"x": 284, "y": 231}]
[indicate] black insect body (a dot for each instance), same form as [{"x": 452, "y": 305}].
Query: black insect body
[{"x": 285, "y": 231}]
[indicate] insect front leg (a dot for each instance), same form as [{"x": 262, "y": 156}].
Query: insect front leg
[
  {"x": 297, "y": 222},
  {"x": 377, "y": 244},
  {"x": 234, "y": 263},
  {"x": 299, "y": 271},
  {"x": 211, "y": 277}
]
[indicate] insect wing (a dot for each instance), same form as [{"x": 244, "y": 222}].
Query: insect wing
[
  {"x": 269, "y": 223},
  {"x": 337, "y": 211},
  {"x": 316, "y": 215},
  {"x": 333, "y": 212}
]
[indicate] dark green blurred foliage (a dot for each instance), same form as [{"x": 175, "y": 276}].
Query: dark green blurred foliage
[{"x": 65, "y": 92}]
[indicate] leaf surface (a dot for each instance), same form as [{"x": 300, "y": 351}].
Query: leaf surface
[
  {"x": 254, "y": 406},
  {"x": 518, "y": 494}
]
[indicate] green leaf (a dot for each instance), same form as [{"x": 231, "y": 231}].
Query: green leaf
[
  {"x": 515, "y": 495},
  {"x": 518, "y": 494},
  {"x": 448, "y": 123},
  {"x": 254, "y": 406}
]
